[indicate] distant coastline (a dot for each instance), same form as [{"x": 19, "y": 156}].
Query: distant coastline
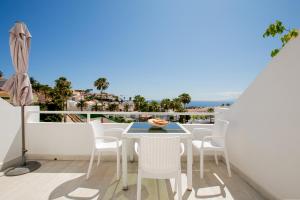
[{"x": 209, "y": 103}]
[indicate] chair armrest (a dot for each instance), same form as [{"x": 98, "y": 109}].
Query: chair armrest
[
  {"x": 115, "y": 132},
  {"x": 209, "y": 138},
  {"x": 212, "y": 137},
  {"x": 199, "y": 133},
  {"x": 181, "y": 148},
  {"x": 136, "y": 148},
  {"x": 113, "y": 139}
]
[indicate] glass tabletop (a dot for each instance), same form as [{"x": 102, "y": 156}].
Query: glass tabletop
[{"x": 145, "y": 127}]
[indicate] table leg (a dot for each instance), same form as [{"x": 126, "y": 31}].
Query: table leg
[
  {"x": 124, "y": 164},
  {"x": 189, "y": 164}
]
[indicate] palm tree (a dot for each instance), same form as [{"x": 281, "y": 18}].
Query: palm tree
[
  {"x": 154, "y": 106},
  {"x": 139, "y": 103},
  {"x": 101, "y": 84},
  {"x": 81, "y": 104},
  {"x": 185, "y": 99},
  {"x": 176, "y": 105},
  {"x": 165, "y": 104},
  {"x": 62, "y": 88},
  {"x": 210, "y": 110}
]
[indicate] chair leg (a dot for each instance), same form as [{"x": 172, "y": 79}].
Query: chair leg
[
  {"x": 176, "y": 184},
  {"x": 216, "y": 158},
  {"x": 91, "y": 164},
  {"x": 118, "y": 163},
  {"x": 179, "y": 194},
  {"x": 201, "y": 164},
  {"x": 139, "y": 186},
  {"x": 99, "y": 156},
  {"x": 227, "y": 162}
]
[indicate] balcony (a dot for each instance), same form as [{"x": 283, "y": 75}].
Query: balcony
[
  {"x": 263, "y": 145},
  {"x": 64, "y": 166}
]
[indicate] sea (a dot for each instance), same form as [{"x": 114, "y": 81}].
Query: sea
[{"x": 209, "y": 103}]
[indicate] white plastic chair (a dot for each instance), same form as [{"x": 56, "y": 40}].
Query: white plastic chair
[
  {"x": 159, "y": 158},
  {"x": 215, "y": 142},
  {"x": 104, "y": 143},
  {"x": 200, "y": 133}
]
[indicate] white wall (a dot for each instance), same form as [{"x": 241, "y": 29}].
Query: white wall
[
  {"x": 10, "y": 132},
  {"x": 50, "y": 140},
  {"x": 264, "y": 134},
  {"x": 68, "y": 140}
]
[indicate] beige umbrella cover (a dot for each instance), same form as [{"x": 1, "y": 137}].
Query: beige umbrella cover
[{"x": 18, "y": 85}]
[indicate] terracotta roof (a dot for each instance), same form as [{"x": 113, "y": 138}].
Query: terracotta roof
[{"x": 4, "y": 94}]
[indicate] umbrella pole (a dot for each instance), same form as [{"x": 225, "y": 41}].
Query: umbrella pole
[{"x": 23, "y": 163}]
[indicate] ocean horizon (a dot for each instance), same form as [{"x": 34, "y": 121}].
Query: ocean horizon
[{"x": 209, "y": 103}]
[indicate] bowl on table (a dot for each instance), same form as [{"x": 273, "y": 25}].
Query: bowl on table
[{"x": 158, "y": 123}]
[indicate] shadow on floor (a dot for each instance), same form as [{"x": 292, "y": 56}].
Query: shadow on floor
[{"x": 104, "y": 185}]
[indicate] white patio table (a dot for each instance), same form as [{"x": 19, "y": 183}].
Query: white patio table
[{"x": 136, "y": 130}]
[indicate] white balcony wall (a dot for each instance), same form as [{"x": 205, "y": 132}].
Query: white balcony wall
[
  {"x": 67, "y": 141},
  {"x": 264, "y": 134}
]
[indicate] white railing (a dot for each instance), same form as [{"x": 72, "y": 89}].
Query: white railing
[
  {"x": 125, "y": 113},
  {"x": 89, "y": 113}
]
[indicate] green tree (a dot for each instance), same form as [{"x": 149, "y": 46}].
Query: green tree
[
  {"x": 113, "y": 107},
  {"x": 46, "y": 90},
  {"x": 210, "y": 110},
  {"x": 1, "y": 74},
  {"x": 176, "y": 105},
  {"x": 153, "y": 106},
  {"x": 81, "y": 104},
  {"x": 36, "y": 86},
  {"x": 165, "y": 104},
  {"x": 140, "y": 103},
  {"x": 278, "y": 28},
  {"x": 185, "y": 99},
  {"x": 62, "y": 91},
  {"x": 101, "y": 84}
]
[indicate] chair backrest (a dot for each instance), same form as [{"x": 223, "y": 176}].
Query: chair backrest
[
  {"x": 159, "y": 154},
  {"x": 97, "y": 128},
  {"x": 220, "y": 129}
]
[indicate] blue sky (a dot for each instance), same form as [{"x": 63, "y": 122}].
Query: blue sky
[{"x": 210, "y": 49}]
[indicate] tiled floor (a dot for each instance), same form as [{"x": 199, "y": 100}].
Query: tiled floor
[{"x": 66, "y": 180}]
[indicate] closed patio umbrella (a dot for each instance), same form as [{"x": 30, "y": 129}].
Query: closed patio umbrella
[{"x": 19, "y": 86}]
